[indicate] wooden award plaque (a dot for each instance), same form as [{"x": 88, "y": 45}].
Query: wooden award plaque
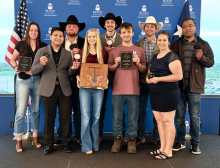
[{"x": 94, "y": 76}]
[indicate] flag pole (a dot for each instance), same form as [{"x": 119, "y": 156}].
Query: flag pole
[{"x": 27, "y": 136}]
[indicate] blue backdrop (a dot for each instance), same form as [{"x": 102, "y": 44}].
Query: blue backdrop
[{"x": 48, "y": 13}]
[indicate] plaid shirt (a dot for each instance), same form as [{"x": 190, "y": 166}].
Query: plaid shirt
[{"x": 149, "y": 48}]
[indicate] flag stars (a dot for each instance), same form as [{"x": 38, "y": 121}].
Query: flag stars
[{"x": 179, "y": 31}]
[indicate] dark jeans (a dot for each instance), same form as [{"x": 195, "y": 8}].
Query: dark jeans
[
  {"x": 50, "y": 107},
  {"x": 76, "y": 114},
  {"x": 118, "y": 103},
  {"x": 193, "y": 100},
  {"x": 144, "y": 93},
  {"x": 102, "y": 114}
]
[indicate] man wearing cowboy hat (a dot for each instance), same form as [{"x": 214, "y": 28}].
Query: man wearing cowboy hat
[
  {"x": 110, "y": 23},
  {"x": 73, "y": 43},
  {"x": 148, "y": 43}
]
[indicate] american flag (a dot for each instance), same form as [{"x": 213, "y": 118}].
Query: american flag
[{"x": 19, "y": 30}]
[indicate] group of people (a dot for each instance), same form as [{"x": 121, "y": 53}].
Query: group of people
[{"x": 173, "y": 75}]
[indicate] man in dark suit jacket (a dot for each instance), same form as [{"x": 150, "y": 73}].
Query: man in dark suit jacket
[
  {"x": 55, "y": 88},
  {"x": 73, "y": 43}
]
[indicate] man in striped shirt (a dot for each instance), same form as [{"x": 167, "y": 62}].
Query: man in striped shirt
[{"x": 148, "y": 43}]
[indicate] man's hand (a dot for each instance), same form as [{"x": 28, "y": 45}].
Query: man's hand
[
  {"x": 199, "y": 54},
  {"x": 117, "y": 61},
  {"x": 29, "y": 73},
  {"x": 136, "y": 60},
  {"x": 43, "y": 60},
  {"x": 109, "y": 48},
  {"x": 75, "y": 65},
  {"x": 75, "y": 51}
]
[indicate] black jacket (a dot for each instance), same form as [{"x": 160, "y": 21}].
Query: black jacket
[{"x": 80, "y": 42}]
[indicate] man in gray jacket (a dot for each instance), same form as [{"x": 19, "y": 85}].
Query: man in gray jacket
[
  {"x": 148, "y": 43},
  {"x": 109, "y": 40},
  {"x": 56, "y": 65}
]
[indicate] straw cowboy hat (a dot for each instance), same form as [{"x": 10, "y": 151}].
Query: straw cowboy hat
[
  {"x": 152, "y": 20},
  {"x": 118, "y": 20},
  {"x": 72, "y": 20}
]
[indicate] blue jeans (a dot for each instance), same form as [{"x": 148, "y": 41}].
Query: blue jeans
[
  {"x": 193, "y": 100},
  {"x": 118, "y": 103},
  {"x": 144, "y": 93},
  {"x": 90, "y": 140},
  {"x": 24, "y": 88}
]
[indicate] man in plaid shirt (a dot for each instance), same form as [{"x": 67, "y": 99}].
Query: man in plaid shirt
[{"x": 148, "y": 43}]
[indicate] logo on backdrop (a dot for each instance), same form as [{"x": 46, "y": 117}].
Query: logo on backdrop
[
  {"x": 74, "y": 2},
  {"x": 50, "y": 11},
  {"x": 121, "y": 3},
  {"x": 142, "y": 35},
  {"x": 122, "y": 20},
  {"x": 167, "y": 25},
  {"x": 167, "y": 3},
  {"x": 192, "y": 13},
  {"x": 143, "y": 13},
  {"x": 97, "y": 12},
  {"x": 48, "y": 34}
]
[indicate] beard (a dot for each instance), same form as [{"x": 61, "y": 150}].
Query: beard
[{"x": 71, "y": 34}]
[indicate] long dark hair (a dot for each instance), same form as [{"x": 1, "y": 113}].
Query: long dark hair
[{"x": 26, "y": 41}]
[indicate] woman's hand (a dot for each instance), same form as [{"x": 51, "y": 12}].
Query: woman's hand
[
  {"x": 106, "y": 84},
  {"x": 16, "y": 70},
  {"x": 78, "y": 81},
  {"x": 154, "y": 80},
  {"x": 148, "y": 80}
]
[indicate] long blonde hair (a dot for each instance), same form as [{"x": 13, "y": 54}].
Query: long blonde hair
[{"x": 98, "y": 47}]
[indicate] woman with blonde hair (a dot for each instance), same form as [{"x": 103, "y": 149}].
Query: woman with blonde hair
[{"x": 92, "y": 53}]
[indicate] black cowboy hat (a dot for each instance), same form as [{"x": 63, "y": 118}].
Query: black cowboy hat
[
  {"x": 72, "y": 19},
  {"x": 118, "y": 20}
]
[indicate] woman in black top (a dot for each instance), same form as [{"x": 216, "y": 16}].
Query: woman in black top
[
  {"x": 165, "y": 93},
  {"x": 27, "y": 84}
]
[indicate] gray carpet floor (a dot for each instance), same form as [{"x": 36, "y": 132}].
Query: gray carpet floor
[{"x": 35, "y": 158}]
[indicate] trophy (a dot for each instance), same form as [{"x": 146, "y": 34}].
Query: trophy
[
  {"x": 109, "y": 43},
  {"x": 76, "y": 58},
  {"x": 150, "y": 75},
  {"x": 72, "y": 46},
  {"x": 24, "y": 64},
  {"x": 46, "y": 54}
]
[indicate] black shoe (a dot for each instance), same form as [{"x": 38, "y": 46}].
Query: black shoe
[
  {"x": 195, "y": 149},
  {"x": 177, "y": 146},
  {"x": 57, "y": 142},
  {"x": 68, "y": 148},
  {"x": 157, "y": 143},
  {"x": 139, "y": 141},
  {"x": 48, "y": 150}
]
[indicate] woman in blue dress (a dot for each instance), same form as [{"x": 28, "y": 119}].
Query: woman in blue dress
[{"x": 164, "y": 93}]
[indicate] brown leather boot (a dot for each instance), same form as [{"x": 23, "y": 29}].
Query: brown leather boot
[
  {"x": 131, "y": 145},
  {"x": 117, "y": 144}
]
